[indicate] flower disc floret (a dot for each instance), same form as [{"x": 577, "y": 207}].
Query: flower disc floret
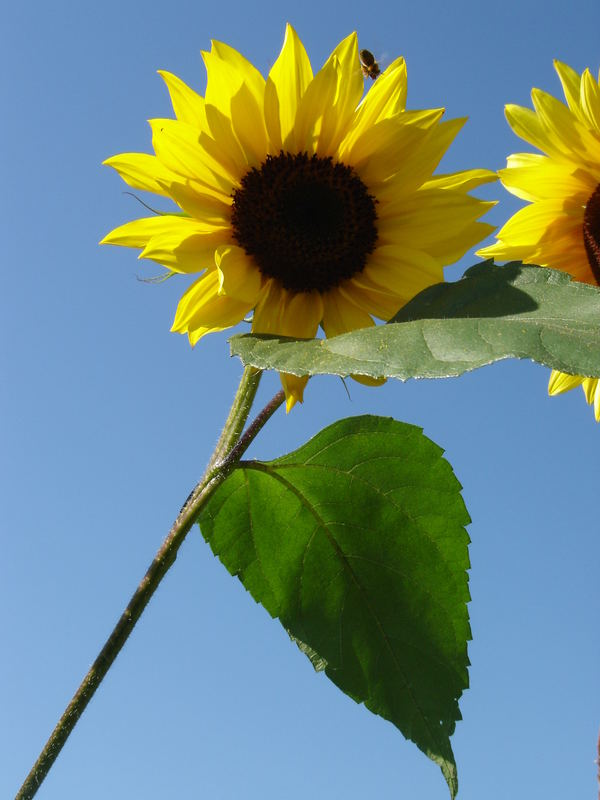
[
  {"x": 299, "y": 201},
  {"x": 307, "y": 222},
  {"x": 591, "y": 232}
]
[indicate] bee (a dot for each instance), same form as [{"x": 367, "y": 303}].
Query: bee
[{"x": 368, "y": 65}]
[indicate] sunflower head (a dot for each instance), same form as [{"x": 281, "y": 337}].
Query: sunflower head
[
  {"x": 298, "y": 200},
  {"x": 560, "y": 226}
]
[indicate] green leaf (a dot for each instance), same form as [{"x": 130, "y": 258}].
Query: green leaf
[
  {"x": 492, "y": 313},
  {"x": 356, "y": 542}
]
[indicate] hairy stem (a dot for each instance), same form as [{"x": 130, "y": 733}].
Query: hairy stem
[{"x": 229, "y": 449}]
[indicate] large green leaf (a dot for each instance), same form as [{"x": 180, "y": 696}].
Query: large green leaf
[
  {"x": 490, "y": 314},
  {"x": 356, "y": 542}
]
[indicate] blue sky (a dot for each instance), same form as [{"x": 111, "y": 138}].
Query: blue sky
[{"x": 108, "y": 419}]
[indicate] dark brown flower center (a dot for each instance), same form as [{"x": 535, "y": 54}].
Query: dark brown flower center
[
  {"x": 307, "y": 221},
  {"x": 591, "y": 232}
]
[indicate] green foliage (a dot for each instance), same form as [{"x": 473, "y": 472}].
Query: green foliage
[
  {"x": 490, "y": 314},
  {"x": 356, "y": 542}
]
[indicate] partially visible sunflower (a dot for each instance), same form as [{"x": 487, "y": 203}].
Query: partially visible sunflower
[
  {"x": 297, "y": 201},
  {"x": 561, "y": 226}
]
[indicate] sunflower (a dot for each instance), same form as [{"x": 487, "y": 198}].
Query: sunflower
[
  {"x": 298, "y": 202},
  {"x": 561, "y": 226}
]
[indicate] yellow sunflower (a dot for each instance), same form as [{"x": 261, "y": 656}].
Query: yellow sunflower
[
  {"x": 561, "y": 226},
  {"x": 297, "y": 201}
]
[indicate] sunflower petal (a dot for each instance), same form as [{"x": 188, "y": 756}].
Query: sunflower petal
[
  {"x": 312, "y": 108},
  {"x": 202, "y": 310},
  {"x": 526, "y": 124},
  {"x": 386, "y": 98},
  {"x": 591, "y": 388},
  {"x": 187, "y": 104},
  {"x": 249, "y": 125},
  {"x": 388, "y": 149},
  {"x": 185, "y": 253},
  {"x": 590, "y": 100},
  {"x": 199, "y": 201},
  {"x": 138, "y": 232},
  {"x": 283, "y": 313},
  {"x": 238, "y": 276},
  {"x": 370, "y": 297},
  {"x": 402, "y": 272},
  {"x": 140, "y": 170},
  {"x": 540, "y": 177},
  {"x": 561, "y": 382},
  {"x": 293, "y": 386},
  {"x": 235, "y": 90},
  {"x": 227, "y": 70},
  {"x": 441, "y": 223},
  {"x": 349, "y": 90},
  {"x": 285, "y": 87},
  {"x": 340, "y": 315},
  {"x": 564, "y": 131},
  {"x": 464, "y": 181},
  {"x": 178, "y": 147},
  {"x": 571, "y": 84}
]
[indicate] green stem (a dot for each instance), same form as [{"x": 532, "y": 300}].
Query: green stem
[{"x": 222, "y": 461}]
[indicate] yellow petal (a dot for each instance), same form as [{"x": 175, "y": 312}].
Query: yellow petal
[
  {"x": 249, "y": 126},
  {"x": 285, "y": 87},
  {"x": 591, "y": 387},
  {"x": 526, "y": 124},
  {"x": 539, "y": 177},
  {"x": 552, "y": 128},
  {"x": 200, "y": 202},
  {"x": 565, "y": 132},
  {"x": 288, "y": 314},
  {"x": 386, "y": 97},
  {"x": 235, "y": 89},
  {"x": 501, "y": 251},
  {"x": 223, "y": 145},
  {"x": 349, "y": 89},
  {"x": 370, "y": 297},
  {"x": 438, "y": 140},
  {"x": 140, "y": 170},
  {"x": 238, "y": 277},
  {"x": 561, "y": 382},
  {"x": 571, "y": 83},
  {"x": 293, "y": 386},
  {"x": 187, "y": 104},
  {"x": 340, "y": 315},
  {"x": 367, "y": 380},
  {"x": 227, "y": 70},
  {"x": 401, "y": 271},
  {"x": 388, "y": 149},
  {"x": 438, "y": 222},
  {"x": 281, "y": 312},
  {"x": 138, "y": 232},
  {"x": 312, "y": 108},
  {"x": 464, "y": 181},
  {"x": 178, "y": 147},
  {"x": 427, "y": 214},
  {"x": 529, "y": 224},
  {"x": 202, "y": 310},
  {"x": 590, "y": 100},
  {"x": 185, "y": 253},
  {"x": 450, "y": 248}
]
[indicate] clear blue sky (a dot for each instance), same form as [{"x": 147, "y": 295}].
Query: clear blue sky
[{"x": 107, "y": 420}]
